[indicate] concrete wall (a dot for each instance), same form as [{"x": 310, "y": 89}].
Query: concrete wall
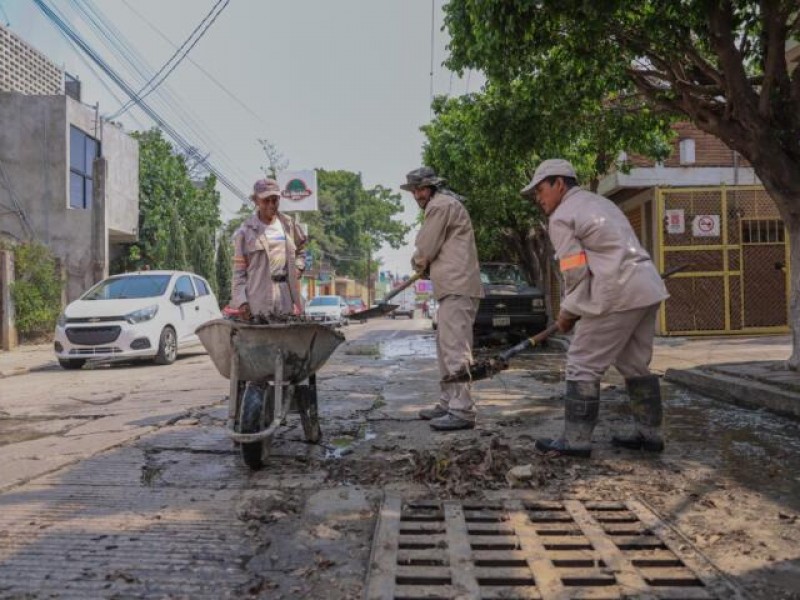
[
  {"x": 25, "y": 69},
  {"x": 34, "y": 154}
]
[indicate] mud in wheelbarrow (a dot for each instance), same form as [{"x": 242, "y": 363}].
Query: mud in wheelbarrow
[{"x": 272, "y": 369}]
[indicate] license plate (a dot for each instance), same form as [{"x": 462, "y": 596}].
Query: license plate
[{"x": 501, "y": 321}]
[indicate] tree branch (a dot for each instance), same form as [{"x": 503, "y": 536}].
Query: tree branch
[{"x": 775, "y": 75}]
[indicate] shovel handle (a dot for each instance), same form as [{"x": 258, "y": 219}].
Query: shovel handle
[
  {"x": 529, "y": 343},
  {"x": 406, "y": 284}
]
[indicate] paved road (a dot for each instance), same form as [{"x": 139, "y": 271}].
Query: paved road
[{"x": 121, "y": 483}]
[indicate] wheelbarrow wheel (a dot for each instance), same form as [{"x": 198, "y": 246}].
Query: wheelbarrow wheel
[
  {"x": 307, "y": 407},
  {"x": 254, "y": 453}
]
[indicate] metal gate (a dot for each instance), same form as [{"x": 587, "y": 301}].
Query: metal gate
[{"x": 736, "y": 247}]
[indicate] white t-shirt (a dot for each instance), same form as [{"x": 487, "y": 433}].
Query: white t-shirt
[{"x": 276, "y": 246}]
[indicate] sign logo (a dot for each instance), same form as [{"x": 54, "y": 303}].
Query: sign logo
[{"x": 296, "y": 190}]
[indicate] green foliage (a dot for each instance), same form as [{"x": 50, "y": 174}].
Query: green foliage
[
  {"x": 36, "y": 290},
  {"x": 177, "y": 216},
  {"x": 224, "y": 271},
  {"x": 353, "y": 222}
]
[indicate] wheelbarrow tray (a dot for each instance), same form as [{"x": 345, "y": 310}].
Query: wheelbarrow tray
[{"x": 305, "y": 348}]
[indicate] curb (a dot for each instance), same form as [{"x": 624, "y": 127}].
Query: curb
[
  {"x": 14, "y": 371},
  {"x": 734, "y": 390}
]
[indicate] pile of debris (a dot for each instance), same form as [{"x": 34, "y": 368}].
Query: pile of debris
[{"x": 462, "y": 467}]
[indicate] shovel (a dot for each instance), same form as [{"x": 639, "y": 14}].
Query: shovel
[
  {"x": 383, "y": 307},
  {"x": 490, "y": 367}
]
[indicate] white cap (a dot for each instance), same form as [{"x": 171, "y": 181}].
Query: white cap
[{"x": 548, "y": 168}]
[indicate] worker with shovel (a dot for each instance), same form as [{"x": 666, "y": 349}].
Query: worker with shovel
[
  {"x": 612, "y": 290},
  {"x": 445, "y": 246}
]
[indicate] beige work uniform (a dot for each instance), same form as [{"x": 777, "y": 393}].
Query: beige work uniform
[
  {"x": 445, "y": 245},
  {"x": 252, "y": 280},
  {"x": 609, "y": 282}
]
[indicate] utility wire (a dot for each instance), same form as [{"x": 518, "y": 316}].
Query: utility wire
[
  {"x": 106, "y": 68},
  {"x": 200, "y": 67},
  {"x": 141, "y": 70},
  {"x": 177, "y": 57},
  {"x": 433, "y": 5}
]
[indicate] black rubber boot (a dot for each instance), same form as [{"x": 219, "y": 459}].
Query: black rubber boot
[
  {"x": 648, "y": 415},
  {"x": 581, "y": 408}
]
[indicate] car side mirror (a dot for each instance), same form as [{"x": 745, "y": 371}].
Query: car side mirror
[{"x": 182, "y": 297}]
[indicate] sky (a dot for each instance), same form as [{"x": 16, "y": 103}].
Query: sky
[{"x": 341, "y": 84}]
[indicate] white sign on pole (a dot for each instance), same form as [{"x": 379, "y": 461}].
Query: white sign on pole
[
  {"x": 705, "y": 226},
  {"x": 298, "y": 190},
  {"x": 676, "y": 222}
]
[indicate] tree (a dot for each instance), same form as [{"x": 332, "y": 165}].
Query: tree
[
  {"x": 224, "y": 270},
  {"x": 353, "y": 222},
  {"x": 177, "y": 215},
  {"x": 488, "y": 143},
  {"x": 722, "y": 65},
  {"x": 36, "y": 290}
]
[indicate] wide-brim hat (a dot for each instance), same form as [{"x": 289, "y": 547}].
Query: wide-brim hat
[
  {"x": 264, "y": 188},
  {"x": 422, "y": 177},
  {"x": 549, "y": 168}
]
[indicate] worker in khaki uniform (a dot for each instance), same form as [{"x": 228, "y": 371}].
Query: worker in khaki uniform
[
  {"x": 612, "y": 291},
  {"x": 445, "y": 246},
  {"x": 268, "y": 258}
]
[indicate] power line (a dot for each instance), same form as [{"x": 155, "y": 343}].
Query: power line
[
  {"x": 135, "y": 64},
  {"x": 177, "y": 57},
  {"x": 106, "y": 68},
  {"x": 200, "y": 67},
  {"x": 433, "y": 6}
]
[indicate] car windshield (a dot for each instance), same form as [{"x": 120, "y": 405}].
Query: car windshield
[
  {"x": 134, "y": 286},
  {"x": 324, "y": 301},
  {"x": 354, "y": 302},
  {"x": 501, "y": 274}
]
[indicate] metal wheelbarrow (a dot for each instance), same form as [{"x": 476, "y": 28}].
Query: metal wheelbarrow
[{"x": 267, "y": 366}]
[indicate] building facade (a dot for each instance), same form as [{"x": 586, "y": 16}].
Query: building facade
[
  {"x": 705, "y": 210},
  {"x": 68, "y": 179}
]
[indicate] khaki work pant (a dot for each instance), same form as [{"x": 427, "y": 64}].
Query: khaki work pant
[
  {"x": 623, "y": 339},
  {"x": 454, "y": 351}
]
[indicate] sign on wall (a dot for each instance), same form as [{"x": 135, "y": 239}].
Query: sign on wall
[
  {"x": 705, "y": 226},
  {"x": 298, "y": 190},
  {"x": 676, "y": 222}
]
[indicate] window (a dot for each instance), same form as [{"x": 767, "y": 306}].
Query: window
[
  {"x": 131, "y": 286},
  {"x": 686, "y": 151},
  {"x": 184, "y": 284},
  {"x": 82, "y": 152},
  {"x": 202, "y": 288}
]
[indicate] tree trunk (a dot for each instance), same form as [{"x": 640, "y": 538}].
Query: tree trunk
[{"x": 794, "y": 296}]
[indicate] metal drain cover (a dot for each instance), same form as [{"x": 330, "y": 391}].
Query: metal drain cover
[{"x": 521, "y": 549}]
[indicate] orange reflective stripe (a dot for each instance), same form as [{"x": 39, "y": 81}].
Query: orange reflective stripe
[
  {"x": 572, "y": 262},
  {"x": 240, "y": 260}
]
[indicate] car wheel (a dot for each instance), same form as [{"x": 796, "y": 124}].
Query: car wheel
[
  {"x": 167, "y": 347},
  {"x": 434, "y": 325},
  {"x": 71, "y": 363}
]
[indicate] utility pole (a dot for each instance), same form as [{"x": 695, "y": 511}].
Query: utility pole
[{"x": 369, "y": 277}]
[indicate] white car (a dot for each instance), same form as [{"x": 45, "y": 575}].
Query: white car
[
  {"x": 148, "y": 314},
  {"x": 328, "y": 309}
]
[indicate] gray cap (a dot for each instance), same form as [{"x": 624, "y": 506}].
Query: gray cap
[
  {"x": 422, "y": 177},
  {"x": 548, "y": 168}
]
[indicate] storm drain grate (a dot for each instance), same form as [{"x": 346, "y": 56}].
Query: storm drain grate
[{"x": 517, "y": 549}]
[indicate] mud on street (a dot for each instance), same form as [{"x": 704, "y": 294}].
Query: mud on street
[{"x": 120, "y": 482}]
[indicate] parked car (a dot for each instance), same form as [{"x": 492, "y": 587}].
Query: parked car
[
  {"x": 148, "y": 314},
  {"x": 406, "y": 303},
  {"x": 328, "y": 309},
  {"x": 433, "y": 312},
  {"x": 355, "y": 305},
  {"x": 511, "y": 303}
]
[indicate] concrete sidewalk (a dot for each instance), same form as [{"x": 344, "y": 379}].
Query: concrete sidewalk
[
  {"x": 27, "y": 358},
  {"x": 749, "y": 372}
]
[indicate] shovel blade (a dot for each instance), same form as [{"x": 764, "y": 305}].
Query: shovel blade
[
  {"x": 371, "y": 313},
  {"x": 483, "y": 369}
]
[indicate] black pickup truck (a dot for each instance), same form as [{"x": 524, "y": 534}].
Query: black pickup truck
[{"x": 511, "y": 304}]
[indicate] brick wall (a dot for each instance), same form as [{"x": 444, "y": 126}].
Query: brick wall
[
  {"x": 26, "y": 70},
  {"x": 709, "y": 151}
]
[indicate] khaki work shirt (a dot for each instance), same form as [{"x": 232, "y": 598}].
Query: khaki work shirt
[
  {"x": 603, "y": 265},
  {"x": 252, "y": 281},
  {"x": 446, "y": 245}
]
